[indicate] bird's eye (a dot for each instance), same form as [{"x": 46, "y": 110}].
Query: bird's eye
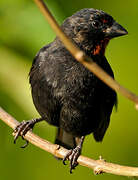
[{"x": 96, "y": 24}]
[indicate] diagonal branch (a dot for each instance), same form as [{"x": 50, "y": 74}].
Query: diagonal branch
[
  {"x": 82, "y": 58},
  {"x": 99, "y": 166}
]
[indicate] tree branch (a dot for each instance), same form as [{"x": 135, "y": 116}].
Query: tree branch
[
  {"x": 99, "y": 166},
  {"x": 82, "y": 58}
]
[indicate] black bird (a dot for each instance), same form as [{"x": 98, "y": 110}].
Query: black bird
[{"x": 68, "y": 95}]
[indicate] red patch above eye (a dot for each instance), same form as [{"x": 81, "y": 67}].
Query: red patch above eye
[{"x": 105, "y": 20}]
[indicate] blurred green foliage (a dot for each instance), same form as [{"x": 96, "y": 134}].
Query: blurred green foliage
[{"x": 23, "y": 31}]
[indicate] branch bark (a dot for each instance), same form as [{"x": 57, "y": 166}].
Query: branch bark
[
  {"x": 99, "y": 166},
  {"x": 82, "y": 58}
]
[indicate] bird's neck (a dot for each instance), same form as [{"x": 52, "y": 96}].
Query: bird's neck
[
  {"x": 95, "y": 48},
  {"x": 99, "y": 48}
]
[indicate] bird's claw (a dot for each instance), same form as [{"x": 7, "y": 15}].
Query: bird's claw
[
  {"x": 73, "y": 156},
  {"x": 66, "y": 157},
  {"x": 22, "y": 129}
]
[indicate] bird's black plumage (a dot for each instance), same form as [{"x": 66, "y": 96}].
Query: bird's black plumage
[{"x": 65, "y": 93}]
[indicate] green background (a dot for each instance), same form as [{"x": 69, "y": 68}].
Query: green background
[{"x": 23, "y": 31}]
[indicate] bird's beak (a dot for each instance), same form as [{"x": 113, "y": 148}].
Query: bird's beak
[{"x": 115, "y": 30}]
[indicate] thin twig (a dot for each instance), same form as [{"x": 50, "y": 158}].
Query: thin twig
[
  {"x": 99, "y": 166},
  {"x": 81, "y": 56}
]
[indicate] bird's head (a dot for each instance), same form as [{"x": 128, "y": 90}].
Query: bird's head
[{"x": 91, "y": 30}]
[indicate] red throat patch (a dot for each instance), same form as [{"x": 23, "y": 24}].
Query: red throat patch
[{"x": 100, "y": 48}]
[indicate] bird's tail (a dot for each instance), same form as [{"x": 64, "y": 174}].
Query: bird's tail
[{"x": 65, "y": 139}]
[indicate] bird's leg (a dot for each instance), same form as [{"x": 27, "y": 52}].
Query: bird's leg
[
  {"x": 23, "y": 128},
  {"x": 73, "y": 155}
]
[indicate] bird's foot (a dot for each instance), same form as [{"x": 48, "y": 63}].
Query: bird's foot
[
  {"x": 72, "y": 155},
  {"x": 23, "y": 128}
]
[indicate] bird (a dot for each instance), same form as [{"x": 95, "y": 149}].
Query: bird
[{"x": 65, "y": 93}]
